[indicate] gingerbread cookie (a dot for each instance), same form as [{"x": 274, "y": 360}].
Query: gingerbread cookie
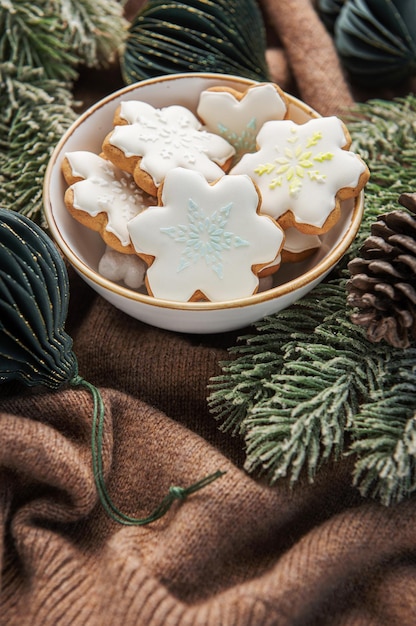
[
  {"x": 299, "y": 246},
  {"x": 238, "y": 116},
  {"x": 205, "y": 241},
  {"x": 153, "y": 141},
  {"x": 102, "y": 197},
  {"x": 303, "y": 171}
]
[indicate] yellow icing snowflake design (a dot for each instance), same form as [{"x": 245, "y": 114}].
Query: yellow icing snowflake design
[
  {"x": 301, "y": 167},
  {"x": 297, "y": 162}
]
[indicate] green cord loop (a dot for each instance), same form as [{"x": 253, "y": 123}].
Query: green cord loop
[
  {"x": 174, "y": 493},
  {"x": 178, "y": 493}
]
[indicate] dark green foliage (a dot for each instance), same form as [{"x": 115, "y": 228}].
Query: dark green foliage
[
  {"x": 41, "y": 49},
  {"x": 384, "y": 432},
  {"x": 307, "y": 386},
  {"x": 59, "y": 36},
  {"x": 31, "y": 38},
  {"x": 94, "y": 29},
  {"x": 36, "y": 112}
]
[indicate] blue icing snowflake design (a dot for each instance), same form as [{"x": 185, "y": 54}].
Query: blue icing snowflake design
[
  {"x": 205, "y": 238},
  {"x": 242, "y": 142}
]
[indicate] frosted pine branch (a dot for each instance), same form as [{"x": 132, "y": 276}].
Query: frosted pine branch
[
  {"x": 307, "y": 381},
  {"x": 34, "y": 121}
]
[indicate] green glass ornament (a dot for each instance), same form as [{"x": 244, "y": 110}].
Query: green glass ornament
[
  {"x": 328, "y": 11},
  {"x": 34, "y": 292},
  {"x": 219, "y": 36},
  {"x": 36, "y": 350},
  {"x": 376, "y": 40}
]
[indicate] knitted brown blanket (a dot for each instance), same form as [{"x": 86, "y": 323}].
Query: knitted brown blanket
[{"x": 236, "y": 553}]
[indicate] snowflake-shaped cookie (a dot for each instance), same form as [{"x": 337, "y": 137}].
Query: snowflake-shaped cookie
[
  {"x": 156, "y": 140},
  {"x": 103, "y": 197},
  {"x": 205, "y": 240},
  {"x": 303, "y": 171},
  {"x": 238, "y": 116}
]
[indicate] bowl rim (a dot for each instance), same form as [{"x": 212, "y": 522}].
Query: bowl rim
[{"x": 119, "y": 290}]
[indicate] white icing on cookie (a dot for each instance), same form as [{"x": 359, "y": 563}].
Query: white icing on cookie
[
  {"x": 301, "y": 168},
  {"x": 106, "y": 188},
  {"x": 167, "y": 138},
  {"x": 127, "y": 268},
  {"x": 297, "y": 242},
  {"x": 239, "y": 121},
  {"x": 205, "y": 238},
  {"x": 135, "y": 111}
]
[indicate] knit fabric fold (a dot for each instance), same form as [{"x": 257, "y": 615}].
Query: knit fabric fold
[
  {"x": 236, "y": 553},
  {"x": 308, "y": 50}
]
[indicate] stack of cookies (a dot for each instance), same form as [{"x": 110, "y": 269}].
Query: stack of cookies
[{"x": 204, "y": 205}]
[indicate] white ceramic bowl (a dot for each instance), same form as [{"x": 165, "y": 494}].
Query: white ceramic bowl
[{"x": 84, "y": 248}]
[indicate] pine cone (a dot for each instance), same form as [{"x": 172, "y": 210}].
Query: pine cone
[{"x": 383, "y": 279}]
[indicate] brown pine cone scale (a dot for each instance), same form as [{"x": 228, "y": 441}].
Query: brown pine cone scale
[{"x": 382, "y": 286}]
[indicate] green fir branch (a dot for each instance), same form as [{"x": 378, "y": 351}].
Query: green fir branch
[
  {"x": 59, "y": 36},
  {"x": 243, "y": 384},
  {"x": 37, "y": 111},
  {"x": 384, "y": 433},
  {"x": 384, "y": 133},
  {"x": 296, "y": 414},
  {"x": 315, "y": 398},
  {"x": 32, "y": 38},
  {"x": 307, "y": 382},
  {"x": 240, "y": 388},
  {"x": 95, "y": 29},
  {"x": 41, "y": 49}
]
